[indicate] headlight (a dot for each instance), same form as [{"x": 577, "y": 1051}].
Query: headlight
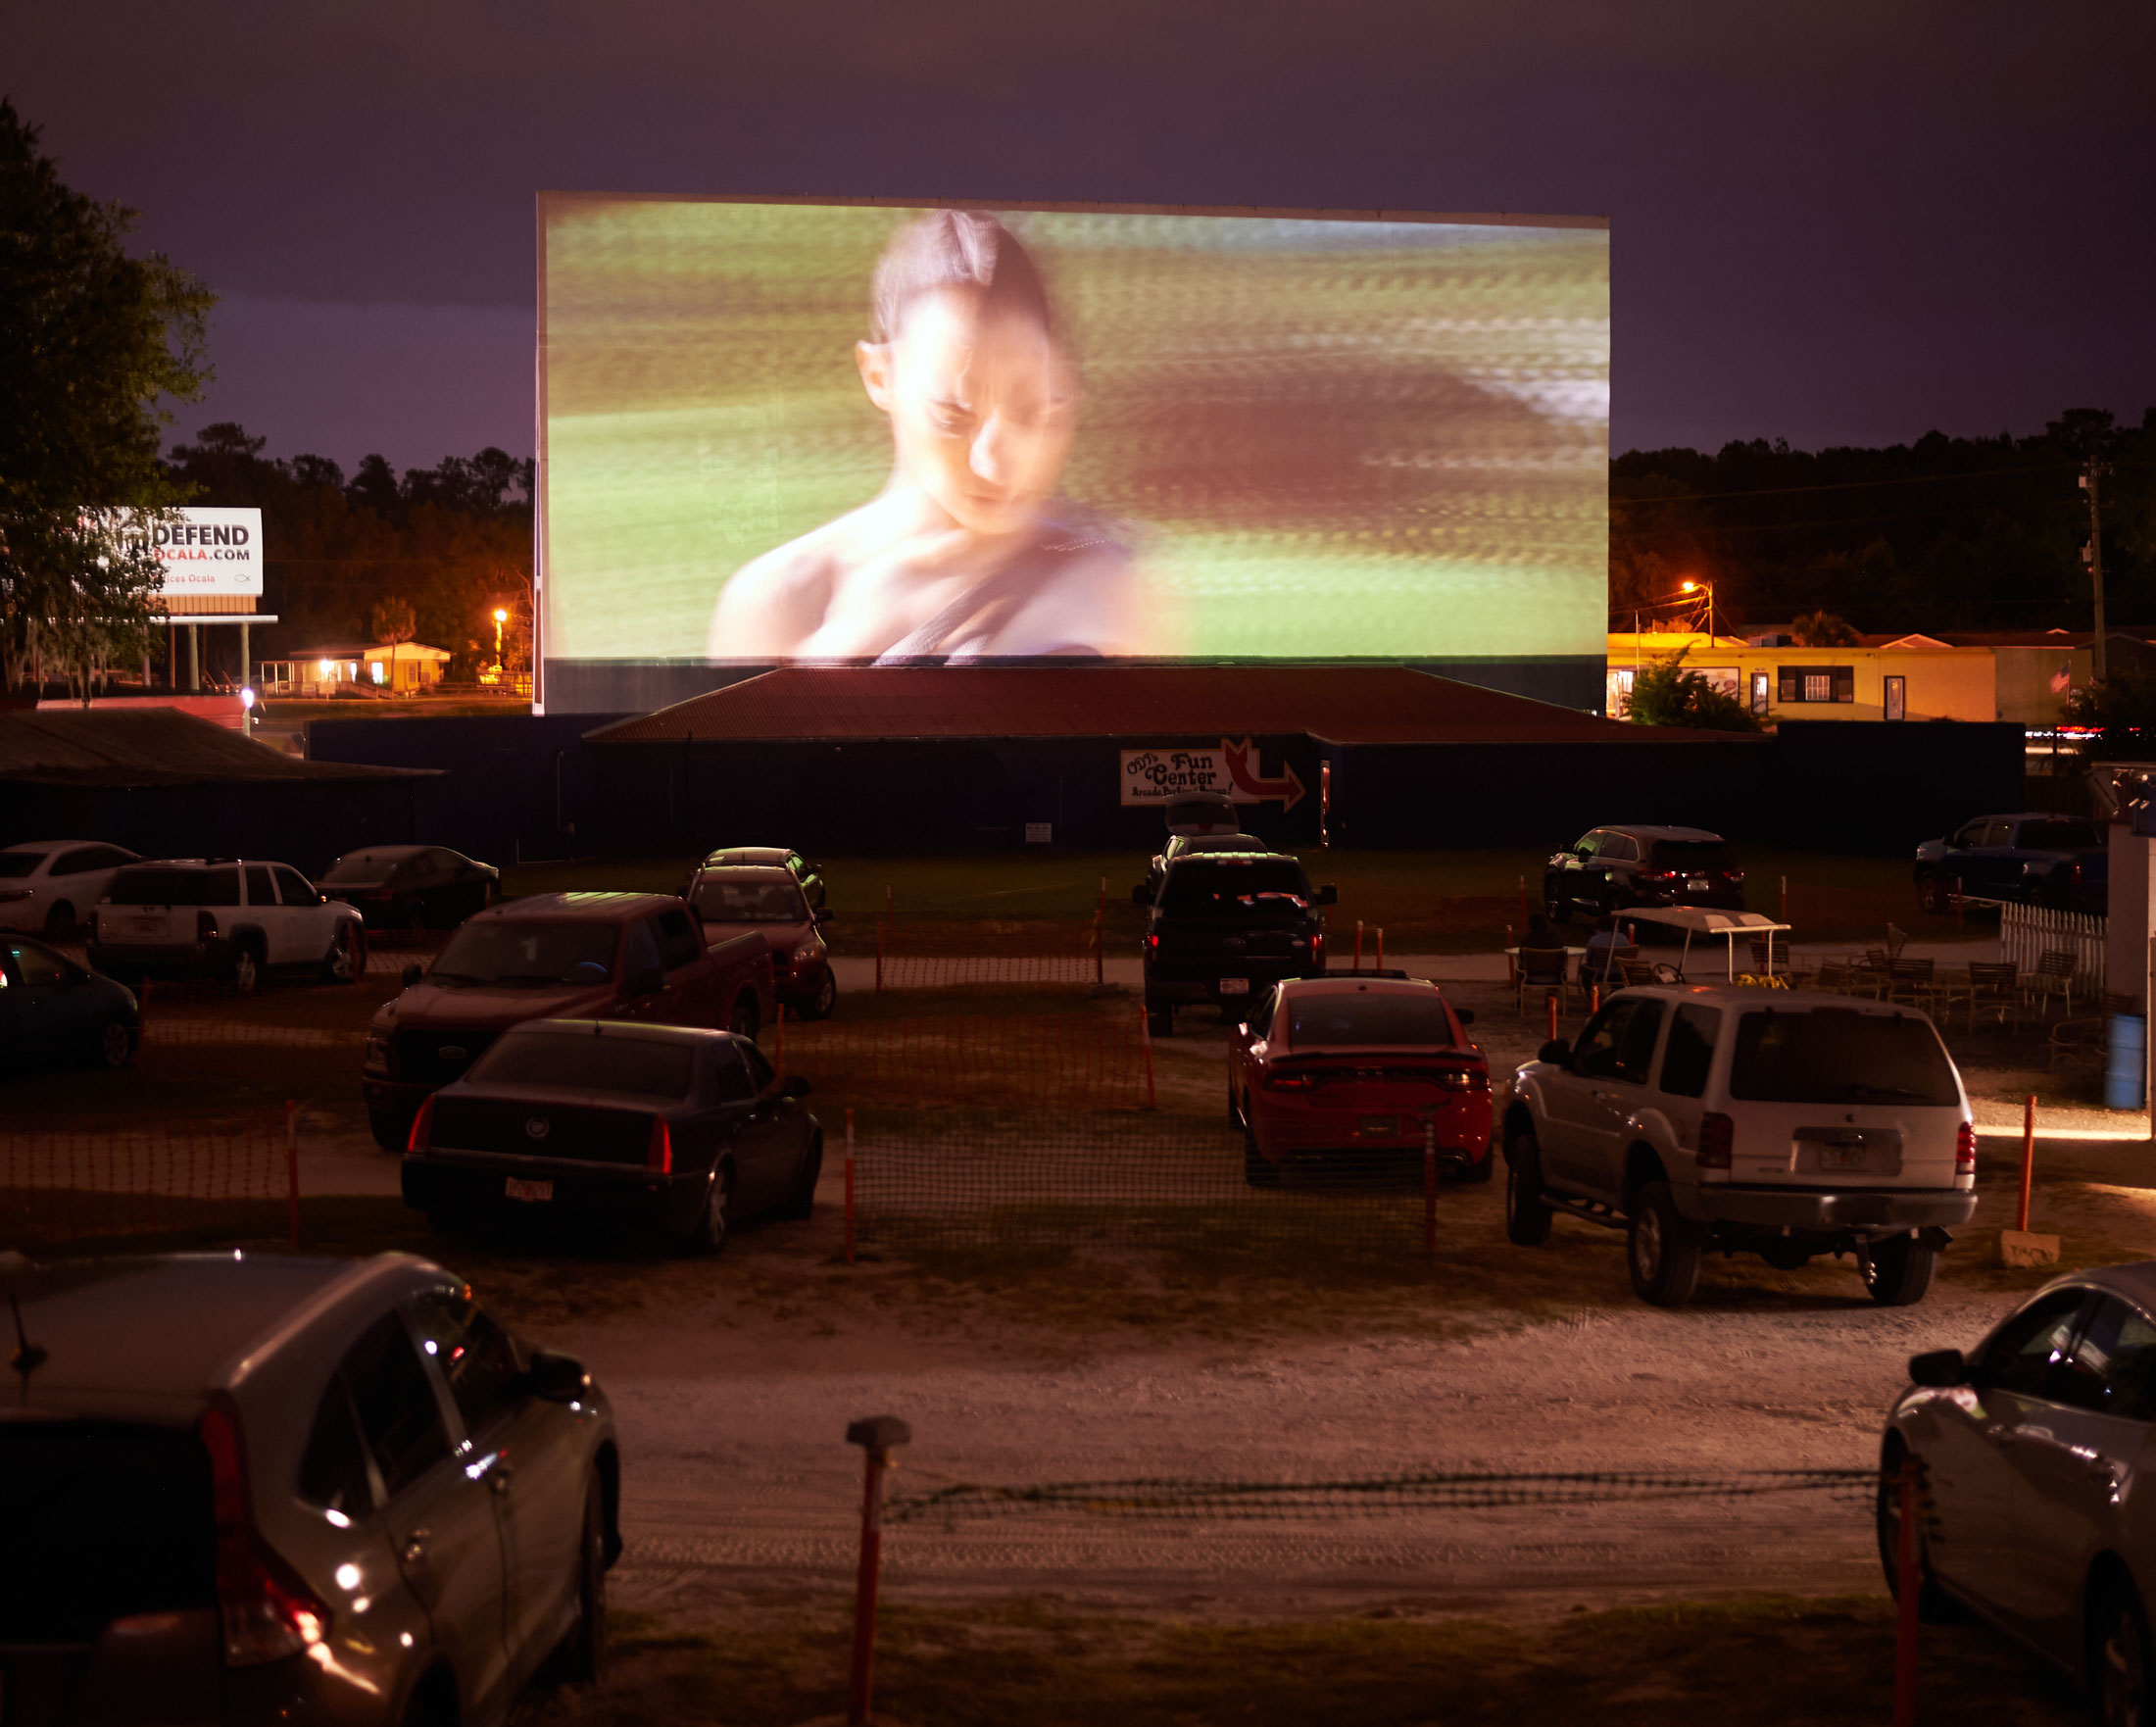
[
  {"x": 377, "y": 1049},
  {"x": 802, "y": 956}
]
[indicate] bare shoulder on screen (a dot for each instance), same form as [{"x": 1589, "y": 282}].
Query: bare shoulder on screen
[
  {"x": 1094, "y": 597},
  {"x": 770, "y": 606}
]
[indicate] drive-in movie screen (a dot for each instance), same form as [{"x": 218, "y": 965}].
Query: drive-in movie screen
[{"x": 813, "y": 432}]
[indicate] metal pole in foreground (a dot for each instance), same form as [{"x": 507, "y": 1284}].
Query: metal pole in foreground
[
  {"x": 849, "y": 1185},
  {"x": 876, "y": 1436},
  {"x": 292, "y": 1164},
  {"x": 1908, "y": 1587},
  {"x": 2029, "y": 1160}
]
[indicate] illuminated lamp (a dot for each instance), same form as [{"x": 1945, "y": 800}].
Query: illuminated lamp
[{"x": 247, "y": 697}]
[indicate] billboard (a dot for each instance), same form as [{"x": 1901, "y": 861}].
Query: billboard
[
  {"x": 867, "y": 434},
  {"x": 210, "y": 551}
]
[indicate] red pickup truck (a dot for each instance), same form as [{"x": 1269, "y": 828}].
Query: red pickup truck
[{"x": 555, "y": 955}]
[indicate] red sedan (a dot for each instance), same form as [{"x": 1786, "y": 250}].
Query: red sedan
[{"x": 1359, "y": 1072}]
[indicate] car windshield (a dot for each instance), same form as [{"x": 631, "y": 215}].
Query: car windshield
[
  {"x": 584, "y": 1061},
  {"x": 1840, "y": 1055},
  {"x": 360, "y": 866},
  {"x": 17, "y": 863},
  {"x": 2059, "y": 836},
  {"x": 528, "y": 954},
  {"x": 1692, "y": 854},
  {"x": 174, "y": 885},
  {"x": 1234, "y": 887},
  {"x": 758, "y": 899},
  {"x": 1330, "y": 1020}
]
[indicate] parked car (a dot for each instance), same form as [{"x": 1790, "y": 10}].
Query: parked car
[
  {"x": 600, "y": 1121},
  {"x": 1220, "y": 927},
  {"x": 1612, "y": 867},
  {"x": 580, "y": 956},
  {"x": 1188, "y": 844},
  {"x": 1700, "y": 1117},
  {"x": 1357, "y": 1073},
  {"x": 772, "y": 857},
  {"x": 2031, "y": 1449},
  {"x": 413, "y": 887},
  {"x": 1201, "y": 812},
  {"x": 765, "y": 901},
  {"x": 54, "y": 1012},
  {"x": 260, "y": 1488},
  {"x": 233, "y": 918},
  {"x": 2036, "y": 860},
  {"x": 51, "y": 885}
]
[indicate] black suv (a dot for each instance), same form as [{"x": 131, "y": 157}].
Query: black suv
[
  {"x": 1614, "y": 867},
  {"x": 1223, "y": 927}
]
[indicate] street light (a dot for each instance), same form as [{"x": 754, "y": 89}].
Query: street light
[
  {"x": 1692, "y": 587},
  {"x": 500, "y": 617}
]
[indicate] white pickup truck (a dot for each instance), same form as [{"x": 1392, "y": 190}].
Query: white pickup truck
[
  {"x": 1786, "y": 1124},
  {"x": 234, "y": 918}
]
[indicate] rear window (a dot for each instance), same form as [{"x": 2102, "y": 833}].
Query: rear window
[
  {"x": 1236, "y": 886},
  {"x": 118, "y": 1518},
  {"x": 1323, "y": 1022},
  {"x": 588, "y": 1062},
  {"x": 13, "y": 864},
  {"x": 1692, "y": 854},
  {"x": 2060, "y": 836},
  {"x": 1840, "y": 1055},
  {"x": 750, "y": 900},
  {"x": 156, "y": 885}
]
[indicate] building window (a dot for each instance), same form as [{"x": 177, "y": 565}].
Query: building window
[
  {"x": 1896, "y": 698},
  {"x": 1759, "y": 692},
  {"x": 1816, "y": 683}
]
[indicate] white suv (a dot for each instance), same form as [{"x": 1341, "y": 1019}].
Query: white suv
[
  {"x": 1782, "y": 1123},
  {"x": 231, "y": 917}
]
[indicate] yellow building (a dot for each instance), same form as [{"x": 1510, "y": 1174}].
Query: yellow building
[{"x": 1906, "y": 677}]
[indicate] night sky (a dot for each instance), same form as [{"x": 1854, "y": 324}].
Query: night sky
[{"x": 1832, "y": 221}]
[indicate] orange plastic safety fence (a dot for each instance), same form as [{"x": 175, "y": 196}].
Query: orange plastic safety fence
[{"x": 222, "y": 1180}]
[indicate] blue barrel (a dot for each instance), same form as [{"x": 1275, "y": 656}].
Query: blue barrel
[{"x": 2127, "y": 1061}]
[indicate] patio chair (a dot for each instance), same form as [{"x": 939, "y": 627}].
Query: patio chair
[
  {"x": 1637, "y": 971},
  {"x": 1774, "y": 943},
  {"x": 1839, "y": 977},
  {"x": 2078, "y": 1047},
  {"x": 1898, "y": 938},
  {"x": 1541, "y": 972},
  {"x": 1912, "y": 981},
  {"x": 1994, "y": 989},
  {"x": 2054, "y": 976}
]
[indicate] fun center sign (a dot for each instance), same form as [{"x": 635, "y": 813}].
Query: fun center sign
[{"x": 1166, "y": 772}]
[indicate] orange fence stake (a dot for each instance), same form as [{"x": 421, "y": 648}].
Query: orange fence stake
[
  {"x": 1553, "y": 1016},
  {"x": 292, "y": 1165},
  {"x": 1430, "y": 1187},
  {"x": 1908, "y": 1586},
  {"x": 1144, "y": 1027},
  {"x": 1511, "y": 962},
  {"x": 850, "y": 1187},
  {"x": 1523, "y": 902},
  {"x": 875, "y": 1436},
  {"x": 879, "y": 958},
  {"x": 2029, "y": 1162},
  {"x": 1380, "y": 946},
  {"x": 1359, "y": 944},
  {"x": 890, "y": 906},
  {"x": 778, "y": 1055}
]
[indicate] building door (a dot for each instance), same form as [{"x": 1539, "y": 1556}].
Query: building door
[
  {"x": 1760, "y": 688},
  {"x": 1897, "y": 697}
]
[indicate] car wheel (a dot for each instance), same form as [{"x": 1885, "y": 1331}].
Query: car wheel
[
  {"x": 1661, "y": 1249},
  {"x": 801, "y": 1203},
  {"x": 1159, "y": 1019},
  {"x": 113, "y": 1047},
  {"x": 1526, "y": 1218},
  {"x": 709, "y": 1234},
  {"x": 341, "y": 964},
  {"x": 2119, "y": 1655},
  {"x": 827, "y": 997},
  {"x": 243, "y": 971},
  {"x": 1897, "y": 1272},
  {"x": 746, "y": 1020},
  {"x": 581, "y": 1656},
  {"x": 1933, "y": 1603},
  {"x": 1258, "y": 1170},
  {"x": 1931, "y": 895},
  {"x": 60, "y": 923}
]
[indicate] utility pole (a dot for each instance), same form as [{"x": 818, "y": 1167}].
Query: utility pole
[{"x": 2093, "y": 555}]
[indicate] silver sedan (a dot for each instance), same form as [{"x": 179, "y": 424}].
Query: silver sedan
[{"x": 2041, "y": 1481}]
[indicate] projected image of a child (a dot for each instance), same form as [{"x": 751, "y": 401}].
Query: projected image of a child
[{"x": 968, "y": 551}]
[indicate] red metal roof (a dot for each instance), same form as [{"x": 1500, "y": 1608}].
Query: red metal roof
[{"x": 1343, "y": 703}]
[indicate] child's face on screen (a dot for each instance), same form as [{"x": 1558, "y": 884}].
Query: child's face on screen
[{"x": 981, "y": 409}]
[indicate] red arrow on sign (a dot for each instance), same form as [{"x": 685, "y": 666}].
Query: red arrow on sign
[{"x": 1241, "y": 761}]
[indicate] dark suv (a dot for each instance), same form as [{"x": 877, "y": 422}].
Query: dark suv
[
  {"x": 1223, "y": 927},
  {"x": 1614, "y": 867},
  {"x": 2056, "y": 861}
]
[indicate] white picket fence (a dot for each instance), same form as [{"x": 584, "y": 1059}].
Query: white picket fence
[{"x": 2029, "y": 932}]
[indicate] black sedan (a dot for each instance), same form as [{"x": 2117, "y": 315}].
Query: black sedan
[
  {"x": 413, "y": 887},
  {"x": 54, "y": 1012},
  {"x": 667, "y": 1126}
]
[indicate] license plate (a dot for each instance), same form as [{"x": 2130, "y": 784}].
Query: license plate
[
  {"x": 1842, "y": 1156},
  {"x": 1379, "y": 1126},
  {"x": 1698, "y": 884},
  {"x": 1235, "y": 986},
  {"x": 149, "y": 926},
  {"x": 530, "y": 1189}
]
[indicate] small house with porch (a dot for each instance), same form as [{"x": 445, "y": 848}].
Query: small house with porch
[{"x": 399, "y": 669}]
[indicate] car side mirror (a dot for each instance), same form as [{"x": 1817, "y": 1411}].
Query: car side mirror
[
  {"x": 826, "y": 917},
  {"x": 413, "y": 973},
  {"x": 1328, "y": 895},
  {"x": 556, "y": 1379},
  {"x": 648, "y": 982},
  {"x": 1557, "y": 1052},
  {"x": 1465, "y": 1016},
  {"x": 796, "y": 1087},
  {"x": 1939, "y": 1368}
]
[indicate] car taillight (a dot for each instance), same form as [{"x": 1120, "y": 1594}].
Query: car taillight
[
  {"x": 1965, "y": 1149},
  {"x": 659, "y": 1154},
  {"x": 1656, "y": 875},
  {"x": 2073, "y": 872},
  {"x": 1152, "y": 943},
  {"x": 267, "y": 1612},
  {"x": 1717, "y": 1140},
  {"x": 206, "y": 926},
  {"x": 422, "y": 1128},
  {"x": 1290, "y": 1081},
  {"x": 1318, "y": 947}
]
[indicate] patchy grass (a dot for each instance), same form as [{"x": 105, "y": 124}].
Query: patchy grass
[{"x": 1755, "y": 1663}]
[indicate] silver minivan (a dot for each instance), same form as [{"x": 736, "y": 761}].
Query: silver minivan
[{"x": 260, "y": 1488}]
